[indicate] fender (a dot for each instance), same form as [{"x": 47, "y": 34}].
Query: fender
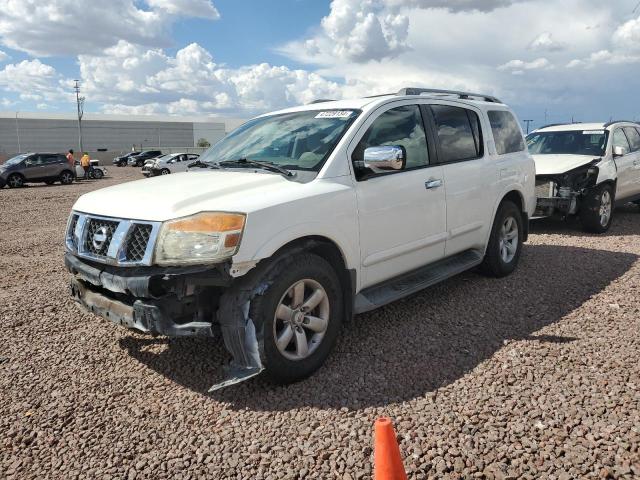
[{"x": 516, "y": 186}]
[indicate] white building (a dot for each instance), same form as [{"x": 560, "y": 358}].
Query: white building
[{"x": 57, "y": 132}]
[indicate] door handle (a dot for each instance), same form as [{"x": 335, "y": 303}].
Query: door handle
[{"x": 433, "y": 183}]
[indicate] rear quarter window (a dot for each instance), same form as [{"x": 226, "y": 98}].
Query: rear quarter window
[
  {"x": 634, "y": 138},
  {"x": 506, "y": 132}
]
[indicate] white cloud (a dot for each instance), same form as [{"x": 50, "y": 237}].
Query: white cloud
[
  {"x": 130, "y": 78},
  {"x": 3, "y": 56},
  {"x": 69, "y": 27},
  {"x": 455, "y": 5},
  {"x": 627, "y": 36},
  {"x": 190, "y": 8},
  {"x": 545, "y": 42},
  {"x": 518, "y": 66},
  {"x": 33, "y": 80}
]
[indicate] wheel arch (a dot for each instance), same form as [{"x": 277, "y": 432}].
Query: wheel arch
[
  {"x": 515, "y": 196},
  {"x": 329, "y": 251}
]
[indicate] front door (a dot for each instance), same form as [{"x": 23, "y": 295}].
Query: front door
[
  {"x": 625, "y": 165},
  {"x": 402, "y": 214}
]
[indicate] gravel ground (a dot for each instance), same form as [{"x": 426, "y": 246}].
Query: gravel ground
[{"x": 532, "y": 376}]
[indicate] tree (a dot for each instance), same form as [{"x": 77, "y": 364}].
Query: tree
[{"x": 203, "y": 143}]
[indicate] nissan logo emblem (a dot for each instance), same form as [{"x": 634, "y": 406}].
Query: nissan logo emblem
[{"x": 99, "y": 237}]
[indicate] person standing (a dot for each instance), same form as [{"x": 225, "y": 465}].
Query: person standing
[
  {"x": 72, "y": 163},
  {"x": 85, "y": 161}
]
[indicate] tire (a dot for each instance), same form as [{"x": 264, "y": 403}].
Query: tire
[
  {"x": 98, "y": 174},
  {"x": 286, "y": 364},
  {"x": 596, "y": 211},
  {"x": 165, "y": 171},
  {"x": 66, "y": 177},
  {"x": 15, "y": 180},
  {"x": 500, "y": 258}
]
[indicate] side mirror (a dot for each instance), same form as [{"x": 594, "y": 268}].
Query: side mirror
[
  {"x": 619, "y": 152},
  {"x": 385, "y": 158}
]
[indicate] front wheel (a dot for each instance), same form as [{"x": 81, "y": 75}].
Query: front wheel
[
  {"x": 505, "y": 242},
  {"x": 165, "y": 171},
  {"x": 300, "y": 314},
  {"x": 596, "y": 213},
  {"x": 98, "y": 174},
  {"x": 15, "y": 180}
]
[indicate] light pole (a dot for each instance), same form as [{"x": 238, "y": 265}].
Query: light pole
[
  {"x": 80, "y": 105},
  {"x": 18, "y": 134},
  {"x": 528, "y": 122}
]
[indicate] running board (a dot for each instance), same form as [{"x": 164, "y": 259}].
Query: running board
[{"x": 412, "y": 282}]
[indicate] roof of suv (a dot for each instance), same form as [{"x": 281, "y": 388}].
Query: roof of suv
[
  {"x": 403, "y": 94},
  {"x": 565, "y": 127}
]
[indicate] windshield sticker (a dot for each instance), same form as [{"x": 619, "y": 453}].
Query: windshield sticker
[
  {"x": 334, "y": 114},
  {"x": 593, "y": 132}
]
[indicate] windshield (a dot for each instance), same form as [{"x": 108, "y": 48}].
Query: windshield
[
  {"x": 574, "y": 142},
  {"x": 17, "y": 159},
  {"x": 297, "y": 141}
]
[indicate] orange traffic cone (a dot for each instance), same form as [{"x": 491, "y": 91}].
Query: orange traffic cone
[{"x": 387, "y": 464}]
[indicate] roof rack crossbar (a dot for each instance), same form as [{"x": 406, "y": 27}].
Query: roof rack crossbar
[
  {"x": 459, "y": 94},
  {"x": 322, "y": 100}
]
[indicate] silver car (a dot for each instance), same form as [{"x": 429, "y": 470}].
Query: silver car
[{"x": 169, "y": 163}]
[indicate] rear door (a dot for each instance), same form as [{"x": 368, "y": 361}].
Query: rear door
[
  {"x": 625, "y": 186},
  {"x": 469, "y": 174}
]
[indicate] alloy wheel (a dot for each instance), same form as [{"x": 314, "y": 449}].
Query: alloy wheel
[
  {"x": 605, "y": 208},
  {"x": 508, "y": 239},
  {"x": 301, "y": 319}
]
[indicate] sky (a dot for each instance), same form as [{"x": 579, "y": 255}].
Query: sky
[{"x": 551, "y": 60}]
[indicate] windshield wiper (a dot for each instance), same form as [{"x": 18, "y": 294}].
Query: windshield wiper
[
  {"x": 201, "y": 164},
  {"x": 253, "y": 163}
]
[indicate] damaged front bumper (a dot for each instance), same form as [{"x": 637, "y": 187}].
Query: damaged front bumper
[
  {"x": 563, "y": 193},
  {"x": 171, "y": 301}
]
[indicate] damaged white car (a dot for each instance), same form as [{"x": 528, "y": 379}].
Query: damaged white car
[
  {"x": 301, "y": 218},
  {"x": 585, "y": 170}
]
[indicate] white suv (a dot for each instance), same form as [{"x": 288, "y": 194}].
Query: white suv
[
  {"x": 301, "y": 218},
  {"x": 584, "y": 169}
]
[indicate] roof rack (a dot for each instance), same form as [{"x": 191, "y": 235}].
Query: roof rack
[
  {"x": 322, "y": 100},
  {"x": 608, "y": 124},
  {"x": 462, "y": 95}
]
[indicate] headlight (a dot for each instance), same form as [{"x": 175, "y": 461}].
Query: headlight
[{"x": 202, "y": 238}]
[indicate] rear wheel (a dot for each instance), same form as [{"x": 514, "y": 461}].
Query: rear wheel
[
  {"x": 596, "y": 213},
  {"x": 15, "y": 180},
  {"x": 505, "y": 242},
  {"x": 300, "y": 314},
  {"x": 66, "y": 177}
]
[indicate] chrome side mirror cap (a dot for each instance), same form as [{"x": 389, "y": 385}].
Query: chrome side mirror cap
[
  {"x": 619, "y": 152},
  {"x": 385, "y": 158}
]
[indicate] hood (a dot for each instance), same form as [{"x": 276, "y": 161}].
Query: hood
[
  {"x": 178, "y": 195},
  {"x": 555, "y": 164}
]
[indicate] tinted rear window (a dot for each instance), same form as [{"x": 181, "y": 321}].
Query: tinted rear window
[
  {"x": 506, "y": 132},
  {"x": 458, "y": 132}
]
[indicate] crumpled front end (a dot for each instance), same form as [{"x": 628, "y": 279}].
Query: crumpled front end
[{"x": 562, "y": 194}]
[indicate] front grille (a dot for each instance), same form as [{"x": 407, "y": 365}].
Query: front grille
[
  {"x": 137, "y": 242},
  {"x": 99, "y": 235},
  {"x": 545, "y": 189}
]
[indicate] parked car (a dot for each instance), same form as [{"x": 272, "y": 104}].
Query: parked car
[
  {"x": 35, "y": 167},
  {"x": 585, "y": 169},
  {"x": 139, "y": 159},
  {"x": 304, "y": 217},
  {"x": 122, "y": 160},
  {"x": 96, "y": 172},
  {"x": 169, "y": 163}
]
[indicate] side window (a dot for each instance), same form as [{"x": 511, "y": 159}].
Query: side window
[
  {"x": 620, "y": 140},
  {"x": 401, "y": 126},
  {"x": 506, "y": 132},
  {"x": 458, "y": 132},
  {"x": 634, "y": 138}
]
